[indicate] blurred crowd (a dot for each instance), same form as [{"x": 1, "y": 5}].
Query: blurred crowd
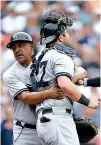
[{"x": 85, "y": 38}]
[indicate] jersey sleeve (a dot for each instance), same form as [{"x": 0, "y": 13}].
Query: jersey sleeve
[
  {"x": 63, "y": 65},
  {"x": 15, "y": 86}
]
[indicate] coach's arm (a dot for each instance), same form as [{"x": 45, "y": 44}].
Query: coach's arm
[{"x": 38, "y": 97}]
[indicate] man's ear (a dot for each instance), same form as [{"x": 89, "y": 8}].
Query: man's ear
[
  {"x": 32, "y": 47},
  {"x": 60, "y": 38}
]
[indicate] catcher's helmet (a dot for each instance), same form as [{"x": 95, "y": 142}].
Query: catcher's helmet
[
  {"x": 19, "y": 36},
  {"x": 54, "y": 23}
]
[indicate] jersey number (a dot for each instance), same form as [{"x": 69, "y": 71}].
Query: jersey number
[{"x": 43, "y": 63}]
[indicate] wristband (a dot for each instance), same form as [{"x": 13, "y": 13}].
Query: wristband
[
  {"x": 83, "y": 100},
  {"x": 85, "y": 82}
]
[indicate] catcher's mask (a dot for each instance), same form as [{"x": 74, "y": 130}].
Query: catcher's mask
[
  {"x": 19, "y": 36},
  {"x": 53, "y": 24}
]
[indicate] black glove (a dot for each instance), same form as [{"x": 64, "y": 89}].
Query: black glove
[{"x": 86, "y": 129}]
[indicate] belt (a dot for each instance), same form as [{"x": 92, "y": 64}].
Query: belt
[
  {"x": 21, "y": 124},
  {"x": 50, "y": 110}
]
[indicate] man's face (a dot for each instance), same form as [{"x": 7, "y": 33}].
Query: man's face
[
  {"x": 23, "y": 52},
  {"x": 65, "y": 38}
]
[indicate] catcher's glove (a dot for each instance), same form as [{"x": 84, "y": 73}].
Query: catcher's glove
[{"x": 86, "y": 129}]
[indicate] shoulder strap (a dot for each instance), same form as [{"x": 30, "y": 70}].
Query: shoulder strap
[{"x": 35, "y": 62}]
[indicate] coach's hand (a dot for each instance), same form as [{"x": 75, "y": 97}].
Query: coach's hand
[
  {"x": 79, "y": 74},
  {"x": 56, "y": 92},
  {"x": 94, "y": 103},
  {"x": 80, "y": 82}
]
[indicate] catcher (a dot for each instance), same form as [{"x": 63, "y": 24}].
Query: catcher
[{"x": 55, "y": 124}]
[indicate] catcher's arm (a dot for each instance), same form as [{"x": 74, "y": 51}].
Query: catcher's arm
[{"x": 70, "y": 89}]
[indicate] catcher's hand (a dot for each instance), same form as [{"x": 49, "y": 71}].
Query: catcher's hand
[{"x": 86, "y": 129}]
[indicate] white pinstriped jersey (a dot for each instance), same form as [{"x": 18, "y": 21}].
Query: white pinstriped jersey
[
  {"x": 17, "y": 79},
  {"x": 52, "y": 65}
]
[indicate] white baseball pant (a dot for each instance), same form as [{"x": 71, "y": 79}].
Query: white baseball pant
[
  {"x": 27, "y": 137},
  {"x": 60, "y": 130}
]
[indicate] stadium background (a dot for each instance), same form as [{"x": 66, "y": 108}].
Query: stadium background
[{"x": 85, "y": 38}]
